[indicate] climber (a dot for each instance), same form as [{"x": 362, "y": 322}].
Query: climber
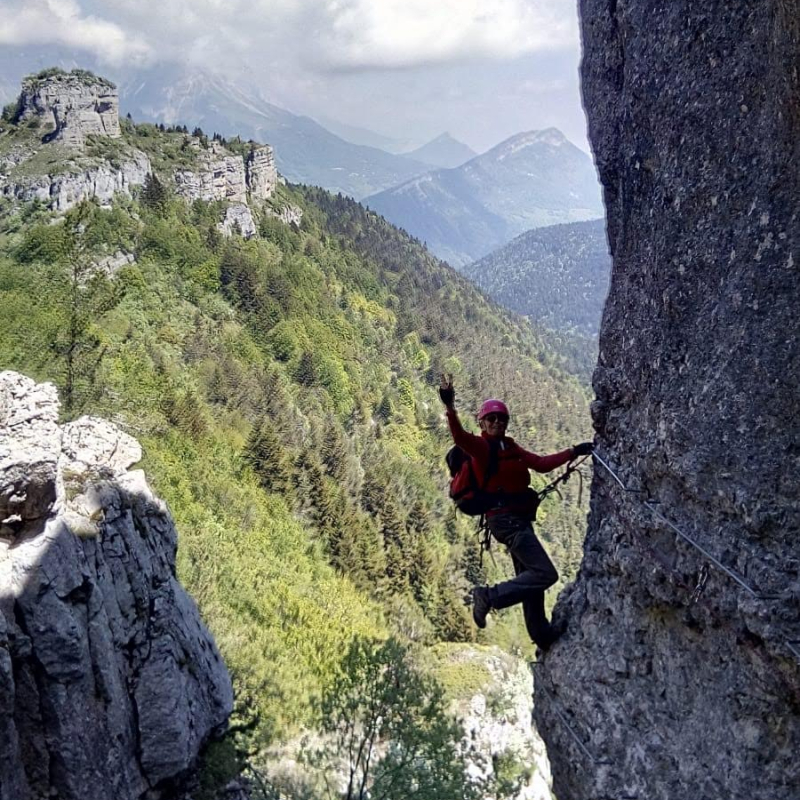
[{"x": 510, "y": 518}]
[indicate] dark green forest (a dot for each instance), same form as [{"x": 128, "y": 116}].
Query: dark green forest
[
  {"x": 556, "y": 276},
  {"x": 284, "y": 391}
]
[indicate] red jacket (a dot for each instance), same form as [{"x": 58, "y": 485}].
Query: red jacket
[{"x": 512, "y": 474}]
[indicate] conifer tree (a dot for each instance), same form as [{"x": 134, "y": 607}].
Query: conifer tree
[
  {"x": 154, "y": 194},
  {"x": 266, "y": 455}
]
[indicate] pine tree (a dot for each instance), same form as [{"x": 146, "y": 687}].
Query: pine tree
[
  {"x": 266, "y": 455},
  {"x": 154, "y": 194}
]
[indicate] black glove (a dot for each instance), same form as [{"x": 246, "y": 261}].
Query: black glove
[
  {"x": 582, "y": 449},
  {"x": 446, "y": 391}
]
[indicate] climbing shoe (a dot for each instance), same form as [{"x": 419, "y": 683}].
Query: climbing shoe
[{"x": 480, "y": 605}]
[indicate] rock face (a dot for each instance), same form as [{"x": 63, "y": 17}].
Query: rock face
[
  {"x": 289, "y": 215},
  {"x": 693, "y": 115},
  {"x": 238, "y": 219},
  {"x": 61, "y": 192},
  {"x": 262, "y": 174},
  {"x": 76, "y": 104},
  {"x": 220, "y": 176},
  {"x": 109, "y": 682}
]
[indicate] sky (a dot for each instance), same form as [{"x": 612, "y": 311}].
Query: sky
[{"x": 482, "y": 70}]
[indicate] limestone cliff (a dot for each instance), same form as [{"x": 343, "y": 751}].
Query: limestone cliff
[
  {"x": 109, "y": 682},
  {"x": 693, "y": 117},
  {"x": 100, "y": 182},
  {"x": 75, "y": 105}
]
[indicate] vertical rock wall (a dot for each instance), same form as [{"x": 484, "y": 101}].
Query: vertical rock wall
[
  {"x": 262, "y": 174},
  {"x": 110, "y": 684},
  {"x": 75, "y": 104},
  {"x": 694, "y": 117}
]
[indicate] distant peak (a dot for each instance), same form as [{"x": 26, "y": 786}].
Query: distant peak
[{"x": 550, "y": 137}]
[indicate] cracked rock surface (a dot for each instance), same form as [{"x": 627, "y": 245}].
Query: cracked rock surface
[
  {"x": 109, "y": 682},
  {"x": 673, "y": 679}
]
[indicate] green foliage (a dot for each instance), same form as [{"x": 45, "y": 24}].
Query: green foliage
[
  {"x": 284, "y": 390},
  {"x": 154, "y": 194},
  {"x": 12, "y": 111},
  {"x": 84, "y": 75},
  {"x": 384, "y": 721}
]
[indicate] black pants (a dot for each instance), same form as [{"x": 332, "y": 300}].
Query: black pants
[{"x": 534, "y": 572}]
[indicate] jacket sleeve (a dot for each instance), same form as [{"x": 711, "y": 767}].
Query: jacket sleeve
[
  {"x": 545, "y": 463},
  {"x": 468, "y": 442}
]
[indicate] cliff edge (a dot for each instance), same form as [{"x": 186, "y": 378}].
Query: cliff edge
[
  {"x": 110, "y": 684},
  {"x": 679, "y": 675}
]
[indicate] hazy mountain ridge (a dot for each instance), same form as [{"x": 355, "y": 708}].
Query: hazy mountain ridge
[
  {"x": 306, "y": 152},
  {"x": 444, "y": 151},
  {"x": 530, "y": 180},
  {"x": 557, "y": 276}
]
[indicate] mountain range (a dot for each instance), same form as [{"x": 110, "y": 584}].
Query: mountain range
[
  {"x": 305, "y": 151},
  {"x": 531, "y": 180},
  {"x": 443, "y": 151}
]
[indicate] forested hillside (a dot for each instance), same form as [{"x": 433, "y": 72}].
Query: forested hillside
[
  {"x": 528, "y": 181},
  {"x": 284, "y": 390},
  {"x": 557, "y": 276}
]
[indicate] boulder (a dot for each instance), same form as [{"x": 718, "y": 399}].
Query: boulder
[
  {"x": 110, "y": 684},
  {"x": 76, "y": 105}
]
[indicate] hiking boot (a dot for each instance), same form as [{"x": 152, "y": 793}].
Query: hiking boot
[
  {"x": 548, "y": 637},
  {"x": 480, "y": 605}
]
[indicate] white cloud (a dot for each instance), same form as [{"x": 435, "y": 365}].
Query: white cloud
[
  {"x": 333, "y": 35},
  {"x": 363, "y": 34},
  {"x": 62, "y": 22}
]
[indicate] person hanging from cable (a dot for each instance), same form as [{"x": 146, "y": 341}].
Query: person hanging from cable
[{"x": 502, "y": 471}]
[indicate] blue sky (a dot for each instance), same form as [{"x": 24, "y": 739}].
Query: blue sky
[{"x": 409, "y": 69}]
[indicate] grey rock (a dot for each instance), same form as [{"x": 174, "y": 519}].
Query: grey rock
[
  {"x": 109, "y": 682},
  {"x": 497, "y": 720},
  {"x": 61, "y": 192},
  {"x": 238, "y": 219},
  {"x": 111, "y": 264},
  {"x": 30, "y": 444},
  {"x": 220, "y": 175},
  {"x": 75, "y": 105},
  {"x": 262, "y": 174},
  {"x": 693, "y": 118},
  {"x": 288, "y": 215}
]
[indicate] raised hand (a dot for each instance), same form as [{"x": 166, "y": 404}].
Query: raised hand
[{"x": 446, "y": 390}]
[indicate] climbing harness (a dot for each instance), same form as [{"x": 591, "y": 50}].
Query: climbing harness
[{"x": 573, "y": 467}]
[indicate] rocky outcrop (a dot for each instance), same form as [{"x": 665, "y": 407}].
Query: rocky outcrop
[
  {"x": 497, "y": 721},
  {"x": 109, "y": 682},
  {"x": 261, "y": 173},
  {"x": 677, "y": 678},
  {"x": 238, "y": 219},
  {"x": 75, "y": 105},
  {"x": 61, "y": 192},
  {"x": 220, "y": 175},
  {"x": 289, "y": 215}
]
